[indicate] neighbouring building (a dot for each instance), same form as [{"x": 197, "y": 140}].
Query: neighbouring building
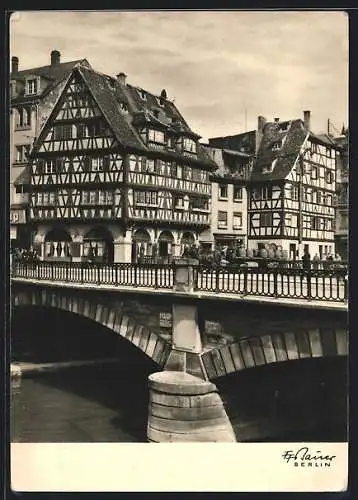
[
  {"x": 290, "y": 186},
  {"x": 228, "y": 196},
  {"x": 116, "y": 174},
  {"x": 292, "y": 190},
  {"x": 28, "y": 89},
  {"x": 342, "y": 190}
]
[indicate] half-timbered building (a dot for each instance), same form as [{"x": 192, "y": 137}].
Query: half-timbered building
[
  {"x": 292, "y": 189},
  {"x": 32, "y": 94},
  {"x": 116, "y": 174}
]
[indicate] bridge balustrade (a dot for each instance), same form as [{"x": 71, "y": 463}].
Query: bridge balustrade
[{"x": 280, "y": 282}]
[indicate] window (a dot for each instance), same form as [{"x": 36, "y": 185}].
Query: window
[
  {"x": 237, "y": 193},
  {"x": 173, "y": 170},
  {"x": 237, "y": 220},
  {"x": 62, "y": 132},
  {"x": 266, "y": 219},
  {"x": 222, "y": 191},
  {"x": 150, "y": 166},
  {"x": 105, "y": 197},
  {"x": 52, "y": 198},
  {"x": 199, "y": 203},
  {"x": 81, "y": 130},
  {"x": 315, "y": 223},
  {"x": 276, "y": 146},
  {"x": 156, "y": 136},
  {"x": 196, "y": 175},
  {"x": 23, "y": 118},
  {"x": 146, "y": 197},
  {"x": 94, "y": 129},
  {"x": 329, "y": 176},
  {"x": 99, "y": 163},
  {"x": 294, "y": 193},
  {"x": 93, "y": 196},
  {"x": 328, "y": 199},
  {"x": 178, "y": 202},
  {"x": 266, "y": 169},
  {"x": 189, "y": 145},
  {"x": 50, "y": 166},
  {"x": 222, "y": 219},
  {"x": 85, "y": 197},
  {"x": 266, "y": 192},
  {"x": 314, "y": 173},
  {"x": 32, "y": 86},
  {"x": 318, "y": 197},
  {"x": 123, "y": 107},
  {"x": 142, "y": 94},
  {"x": 22, "y": 153}
]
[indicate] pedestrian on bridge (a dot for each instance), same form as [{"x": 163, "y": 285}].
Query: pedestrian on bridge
[{"x": 306, "y": 260}]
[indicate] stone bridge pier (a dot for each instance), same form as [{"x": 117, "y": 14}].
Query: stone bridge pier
[{"x": 184, "y": 407}]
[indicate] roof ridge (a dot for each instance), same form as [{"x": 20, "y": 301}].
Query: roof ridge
[{"x": 48, "y": 66}]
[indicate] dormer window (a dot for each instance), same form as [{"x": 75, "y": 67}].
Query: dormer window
[
  {"x": 266, "y": 169},
  {"x": 142, "y": 94},
  {"x": 283, "y": 127},
  {"x": 160, "y": 102},
  {"x": 189, "y": 145},
  {"x": 276, "y": 146},
  {"x": 32, "y": 86},
  {"x": 156, "y": 136},
  {"x": 123, "y": 107}
]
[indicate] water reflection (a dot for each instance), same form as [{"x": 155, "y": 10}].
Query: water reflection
[{"x": 96, "y": 404}]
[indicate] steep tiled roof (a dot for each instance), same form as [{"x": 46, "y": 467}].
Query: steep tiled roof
[
  {"x": 231, "y": 165},
  {"x": 52, "y": 73},
  {"x": 109, "y": 93},
  {"x": 245, "y": 142},
  {"x": 289, "y": 140},
  {"x": 105, "y": 98}
]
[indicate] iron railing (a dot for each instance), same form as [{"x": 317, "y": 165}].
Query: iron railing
[
  {"x": 279, "y": 282},
  {"x": 136, "y": 275}
]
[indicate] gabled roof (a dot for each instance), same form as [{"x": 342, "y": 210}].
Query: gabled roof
[
  {"x": 98, "y": 84},
  {"x": 109, "y": 93},
  {"x": 53, "y": 73}
]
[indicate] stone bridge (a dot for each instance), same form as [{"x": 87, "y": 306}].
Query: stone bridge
[
  {"x": 264, "y": 356},
  {"x": 196, "y": 334}
]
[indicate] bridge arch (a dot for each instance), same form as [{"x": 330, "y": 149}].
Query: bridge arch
[
  {"x": 149, "y": 342},
  {"x": 274, "y": 348}
]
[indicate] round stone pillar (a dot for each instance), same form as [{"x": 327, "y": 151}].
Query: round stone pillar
[{"x": 184, "y": 408}]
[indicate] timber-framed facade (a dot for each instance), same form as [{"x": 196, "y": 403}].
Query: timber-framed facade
[{"x": 116, "y": 175}]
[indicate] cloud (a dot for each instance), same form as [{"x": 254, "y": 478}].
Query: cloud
[{"x": 215, "y": 64}]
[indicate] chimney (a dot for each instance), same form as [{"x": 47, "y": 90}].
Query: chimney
[
  {"x": 261, "y": 122},
  {"x": 55, "y": 57},
  {"x": 307, "y": 119},
  {"x": 121, "y": 77},
  {"x": 277, "y": 120},
  {"x": 14, "y": 64}
]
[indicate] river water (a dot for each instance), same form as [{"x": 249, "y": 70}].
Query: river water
[
  {"x": 109, "y": 402},
  {"x": 87, "y": 404}
]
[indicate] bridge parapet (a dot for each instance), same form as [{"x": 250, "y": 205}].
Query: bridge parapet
[{"x": 321, "y": 285}]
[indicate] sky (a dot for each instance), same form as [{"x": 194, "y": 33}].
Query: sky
[{"x": 222, "y": 68}]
